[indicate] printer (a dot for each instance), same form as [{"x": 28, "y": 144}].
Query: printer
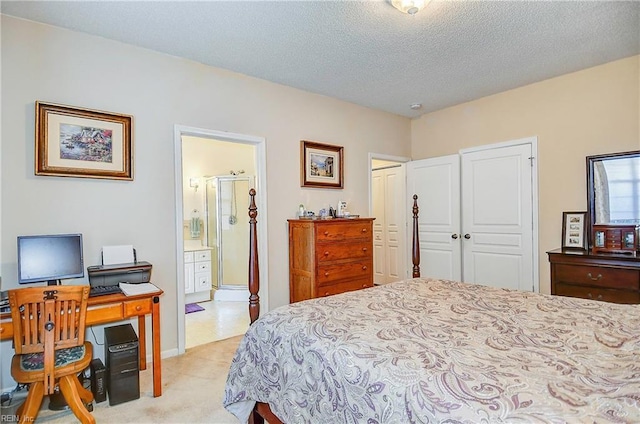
[{"x": 113, "y": 274}]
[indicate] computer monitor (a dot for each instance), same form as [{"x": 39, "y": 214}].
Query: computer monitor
[{"x": 49, "y": 258}]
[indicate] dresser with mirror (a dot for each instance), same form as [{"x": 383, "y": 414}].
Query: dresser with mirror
[{"x": 609, "y": 268}]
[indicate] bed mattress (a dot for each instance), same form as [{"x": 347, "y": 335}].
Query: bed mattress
[{"x": 424, "y": 350}]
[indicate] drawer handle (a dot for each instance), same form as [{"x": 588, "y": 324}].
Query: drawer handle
[
  {"x": 364, "y": 230},
  {"x": 594, "y": 278},
  {"x": 364, "y": 286},
  {"x": 364, "y": 249},
  {"x": 138, "y": 308},
  {"x": 326, "y": 253},
  {"x": 597, "y": 298},
  {"x": 364, "y": 267},
  {"x": 326, "y": 274},
  {"x": 326, "y": 233},
  {"x": 326, "y": 293}
]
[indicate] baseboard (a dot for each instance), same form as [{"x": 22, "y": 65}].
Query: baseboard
[
  {"x": 164, "y": 354},
  {"x": 203, "y": 296},
  {"x": 235, "y": 295}
]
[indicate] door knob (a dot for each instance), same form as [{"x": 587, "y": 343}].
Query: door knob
[
  {"x": 467, "y": 236},
  {"x": 454, "y": 236}
]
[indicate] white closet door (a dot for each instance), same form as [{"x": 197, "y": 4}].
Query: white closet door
[
  {"x": 389, "y": 240},
  {"x": 497, "y": 217},
  {"x": 436, "y": 181},
  {"x": 379, "y": 248},
  {"x": 394, "y": 223}
]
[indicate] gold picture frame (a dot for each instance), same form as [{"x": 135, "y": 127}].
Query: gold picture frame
[
  {"x": 321, "y": 165},
  {"x": 85, "y": 143}
]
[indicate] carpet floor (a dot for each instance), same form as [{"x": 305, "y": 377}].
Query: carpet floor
[{"x": 192, "y": 391}]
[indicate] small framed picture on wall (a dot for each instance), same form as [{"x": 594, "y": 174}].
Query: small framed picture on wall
[{"x": 574, "y": 230}]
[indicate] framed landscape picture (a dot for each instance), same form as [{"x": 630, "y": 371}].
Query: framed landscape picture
[
  {"x": 75, "y": 142},
  {"x": 574, "y": 230},
  {"x": 321, "y": 165}
]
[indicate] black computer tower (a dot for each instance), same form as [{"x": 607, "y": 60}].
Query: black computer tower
[
  {"x": 98, "y": 380},
  {"x": 123, "y": 363}
]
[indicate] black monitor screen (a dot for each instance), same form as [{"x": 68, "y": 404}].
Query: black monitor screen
[{"x": 49, "y": 258}]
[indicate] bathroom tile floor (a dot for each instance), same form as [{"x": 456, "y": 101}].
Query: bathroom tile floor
[{"x": 219, "y": 320}]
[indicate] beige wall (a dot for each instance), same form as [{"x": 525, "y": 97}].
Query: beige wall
[
  {"x": 589, "y": 112},
  {"x": 202, "y": 156},
  {"x": 41, "y": 62}
]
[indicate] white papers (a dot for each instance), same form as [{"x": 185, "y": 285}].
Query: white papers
[
  {"x": 134, "y": 289},
  {"x": 117, "y": 254}
]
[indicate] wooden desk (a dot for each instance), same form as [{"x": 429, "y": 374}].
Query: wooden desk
[{"x": 118, "y": 307}]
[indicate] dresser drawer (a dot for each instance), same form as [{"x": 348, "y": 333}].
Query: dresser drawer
[
  {"x": 337, "y": 251},
  {"x": 596, "y": 293},
  {"x": 597, "y": 276},
  {"x": 344, "y": 287},
  {"x": 350, "y": 270},
  {"x": 344, "y": 231}
]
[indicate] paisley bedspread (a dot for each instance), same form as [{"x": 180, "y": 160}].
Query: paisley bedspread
[{"x": 424, "y": 351}]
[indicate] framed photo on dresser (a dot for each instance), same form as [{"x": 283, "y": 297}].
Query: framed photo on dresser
[{"x": 574, "y": 230}]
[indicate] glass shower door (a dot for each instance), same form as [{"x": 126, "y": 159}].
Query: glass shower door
[{"x": 228, "y": 225}]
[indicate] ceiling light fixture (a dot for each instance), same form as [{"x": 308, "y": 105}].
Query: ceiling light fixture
[
  {"x": 409, "y": 6},
  {"x": 416, "y": 106}
]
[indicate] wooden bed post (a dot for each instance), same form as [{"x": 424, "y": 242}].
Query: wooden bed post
[
  {"x": 415, "y": 248},
  {"x": 254, "y": 274}
]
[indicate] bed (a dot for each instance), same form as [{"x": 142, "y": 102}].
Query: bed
[{"x": 425, "y": 350}]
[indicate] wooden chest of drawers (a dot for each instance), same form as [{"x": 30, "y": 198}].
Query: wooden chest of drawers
[
  {"x": 328, "y": 257},
  {"x": 607, "y": 277}
]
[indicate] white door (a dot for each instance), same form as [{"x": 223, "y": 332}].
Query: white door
[
  {"x": 492, "y": 240},
  {"x": 497, "y": 217},
  {"x": 378, "y": 204},
  {"x": 436, "y": 181},
  {"x": 388, "y": 194}
]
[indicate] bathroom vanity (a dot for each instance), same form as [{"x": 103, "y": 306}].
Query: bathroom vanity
[{"x": 197, "y": 274}]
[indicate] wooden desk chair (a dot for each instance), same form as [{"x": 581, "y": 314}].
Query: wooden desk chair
[{"x": 49, "y": 324}]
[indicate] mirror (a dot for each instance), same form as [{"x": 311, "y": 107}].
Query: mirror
[{"x": 613, "y": 189}]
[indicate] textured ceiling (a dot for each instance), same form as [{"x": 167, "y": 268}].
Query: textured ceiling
[{"x": 366, "y": 52}]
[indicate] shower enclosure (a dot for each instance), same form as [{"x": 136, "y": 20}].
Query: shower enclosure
[{"x": 227, "y": 229}]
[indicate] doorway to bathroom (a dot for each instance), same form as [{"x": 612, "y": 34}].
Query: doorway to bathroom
[{"x": 216, "y": 171}]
